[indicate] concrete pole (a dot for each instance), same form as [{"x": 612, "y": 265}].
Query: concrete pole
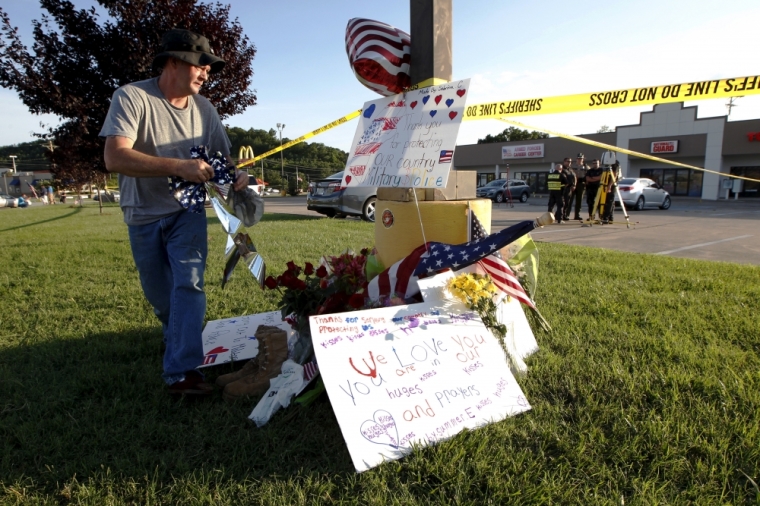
[{"x": 430, "y": 34}]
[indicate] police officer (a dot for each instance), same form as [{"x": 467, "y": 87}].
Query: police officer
[
  {"x": 579, "y": 170},
  {"x": 593, "y": 176},
  {"x": 556, "y": 182},
  {"x": 569, "y": 188}
]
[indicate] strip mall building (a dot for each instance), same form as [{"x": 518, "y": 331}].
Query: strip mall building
[{"x": 670, "y": 131}]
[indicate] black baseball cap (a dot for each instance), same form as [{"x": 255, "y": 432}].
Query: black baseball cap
[{"x": 188, "y": 47}]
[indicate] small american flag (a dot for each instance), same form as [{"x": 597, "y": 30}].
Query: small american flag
[
  {"x": 310, "y": 369},
  {"x": 495, "y": 266},
  {"x": 379, "y": 55},
  {"x": 401, "y": 277},
  {"x": 446, "y": 155}
]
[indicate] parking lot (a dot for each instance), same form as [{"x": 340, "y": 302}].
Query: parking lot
[{"x": 707, "y": 230}]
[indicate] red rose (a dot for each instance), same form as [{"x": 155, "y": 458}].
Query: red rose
[
  {"x": 289, "y": 281},
  {"x": 292, "y": 267},
  {"x": 300, "y": 284},
  {"x": 322, "y": 271},
  {"x": 309, "y": 270},
  {"x": 356, "y": 301},
  {"x": 323, "y": 284},
  {"x": 270, "y": 283}
]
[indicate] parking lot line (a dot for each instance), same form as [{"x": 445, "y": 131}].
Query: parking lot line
[{"x": 668, "y": 252}]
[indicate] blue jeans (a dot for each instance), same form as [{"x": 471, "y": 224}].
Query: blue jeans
[{"x": 170, "y": 255}]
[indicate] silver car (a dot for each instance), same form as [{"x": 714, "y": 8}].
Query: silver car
[
  {"x": 638, "y": 193},
  {"x": 500, "y": 190},
  {"x": 328, "y": 197}
]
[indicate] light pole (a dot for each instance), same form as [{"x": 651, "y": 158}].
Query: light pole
[
  {"x": 280, "y": 126},
  {"x": 13, "y": 157}
]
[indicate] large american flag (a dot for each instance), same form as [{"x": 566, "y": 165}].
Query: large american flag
[
  {"x": 400, "y": 279},
  {"x": 379, "y": 55}
]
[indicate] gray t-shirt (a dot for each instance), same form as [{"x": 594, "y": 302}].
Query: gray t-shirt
[{"x": 140, "y": 112}]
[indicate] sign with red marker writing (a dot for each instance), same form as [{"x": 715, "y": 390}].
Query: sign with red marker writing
[
  {"x": 407, "y": 140},
  {"x": 412, "y": 374}
]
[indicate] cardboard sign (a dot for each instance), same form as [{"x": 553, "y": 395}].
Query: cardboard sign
[
  {"x": 234, "y": 338},
  {"x": 407, "y": 140},
  {"x": 411, "y": 374}
]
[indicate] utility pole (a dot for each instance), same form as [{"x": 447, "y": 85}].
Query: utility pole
[
  {"x": 280, "y": 126},
  {"x": 13, "y": 157},
  {"x": 730, "y": 105}
]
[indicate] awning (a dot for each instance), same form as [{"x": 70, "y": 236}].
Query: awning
[
  {"x": 35, "y": 181},
  {"x": 15, "y": 182}
]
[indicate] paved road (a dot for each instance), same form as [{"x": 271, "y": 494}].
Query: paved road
[{"x": 706, "y": 230}]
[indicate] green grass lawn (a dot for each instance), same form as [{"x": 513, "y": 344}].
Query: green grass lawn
[{"x": 646, "y": 392}]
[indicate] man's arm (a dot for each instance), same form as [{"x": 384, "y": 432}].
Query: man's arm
[
  {"x": 241, "y": 177},
  {"x": 121, "y": 158}
]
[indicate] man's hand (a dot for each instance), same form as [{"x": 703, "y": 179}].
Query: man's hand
[
  {"x": 241, "y": 180},
  {"x": 194, "y": 170}
]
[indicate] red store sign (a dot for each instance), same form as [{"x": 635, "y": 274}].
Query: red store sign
[
  {"x": 665, "y": 147},
  {"x": 753, "y": 136}
]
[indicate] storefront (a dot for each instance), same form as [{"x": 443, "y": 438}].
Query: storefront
[{"x": 669, "y": 131}]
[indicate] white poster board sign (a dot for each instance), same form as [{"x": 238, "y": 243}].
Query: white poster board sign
[
  {"x": 411, "y": 374},
  {"x": 407, "y": 140},
  {"x": 234, "y": 338}
]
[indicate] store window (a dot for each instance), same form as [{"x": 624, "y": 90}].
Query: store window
[
  {"x": 684, "y": 182},
  {"x": 536, "y": 181},
  {"x": 485, "y": 177},
  {"x": 750, "y": 188}
]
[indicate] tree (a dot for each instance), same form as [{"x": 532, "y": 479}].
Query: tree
[
  {"x": 604, "y": 129},
  {"x": 513, "y": 134},
  {"x": 78, "y": 62}
]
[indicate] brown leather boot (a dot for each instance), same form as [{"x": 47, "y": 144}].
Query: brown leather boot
[
  {"x": 252, "y": 366},
  {"x": 273, "y": 351}
]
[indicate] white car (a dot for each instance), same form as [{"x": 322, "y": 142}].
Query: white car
[{"x": 638, "y": 193}]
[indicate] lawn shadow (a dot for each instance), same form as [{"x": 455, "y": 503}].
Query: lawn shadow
[
  {"x": 76, "y": 210},
  {"x": 72, "y": 407}
]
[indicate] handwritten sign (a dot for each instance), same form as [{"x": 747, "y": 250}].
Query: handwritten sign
[
  {"x": 411, "y": 374},
  {"x": 407, "y": 140},
  {"x": 234, "y": 338}
]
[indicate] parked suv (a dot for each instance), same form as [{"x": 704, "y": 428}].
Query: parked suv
[
  {"x": 328, "y": 197},
  {"x": 497, "y": 190}
]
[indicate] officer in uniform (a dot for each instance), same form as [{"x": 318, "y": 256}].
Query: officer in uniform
[
  {"x": 579, "y": 170},
  {"x": 556, "y": 182},
  {"x": 593, "y": 176},
  {"x": 569, "y": 188}
]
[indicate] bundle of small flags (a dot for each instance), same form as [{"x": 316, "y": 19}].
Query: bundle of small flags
[{"x": 193, "y": 196}]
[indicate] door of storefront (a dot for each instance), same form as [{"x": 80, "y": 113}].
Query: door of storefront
[{"x": 683, "y": 182}]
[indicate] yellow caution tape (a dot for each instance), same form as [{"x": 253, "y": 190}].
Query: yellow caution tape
[
  {"x": 699, "y": 90},
  {"x": 337, "y": 122},
  {"x": 618, "y": 149}
]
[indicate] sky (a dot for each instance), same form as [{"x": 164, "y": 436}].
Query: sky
[{"x": 511, "y": 50}]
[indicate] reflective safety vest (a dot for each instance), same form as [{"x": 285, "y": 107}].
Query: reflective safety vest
[{"x": 553, "y": 181}]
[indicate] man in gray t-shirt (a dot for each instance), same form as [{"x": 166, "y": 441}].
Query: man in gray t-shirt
[{"x": 150, "y": 128}]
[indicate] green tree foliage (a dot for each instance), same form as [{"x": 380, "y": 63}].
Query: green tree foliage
[
  {"x": 30, "y": 156},
  {"x": 309, "y": 160},
  {"x": 513, "y": 134},
  {"x": 78, "y": 60}
]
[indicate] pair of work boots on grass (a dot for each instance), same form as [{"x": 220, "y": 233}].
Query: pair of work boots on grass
[{"x": 253, "y": 379}]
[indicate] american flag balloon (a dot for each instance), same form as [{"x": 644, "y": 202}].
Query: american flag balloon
[{"x": 379, "y": 55}]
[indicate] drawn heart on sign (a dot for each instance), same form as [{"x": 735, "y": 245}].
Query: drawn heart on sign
[
  {"x": 413, "y": 104},
  {"x": 348, "y": 179},
  {"x": 381, "y": 430},
  {"x": 461, "y": 92},
  {"x": 425, "y": 99},
  {"x": 368, "y": 112},
  {"x": 432, "y": 113},
  {"x": 449, "y": 101},
  {"x": 452, "y": 114},
  {"x": 438, "y": 99}
]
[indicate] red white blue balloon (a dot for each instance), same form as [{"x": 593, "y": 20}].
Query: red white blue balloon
[{"x": 379, "y": 55}]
